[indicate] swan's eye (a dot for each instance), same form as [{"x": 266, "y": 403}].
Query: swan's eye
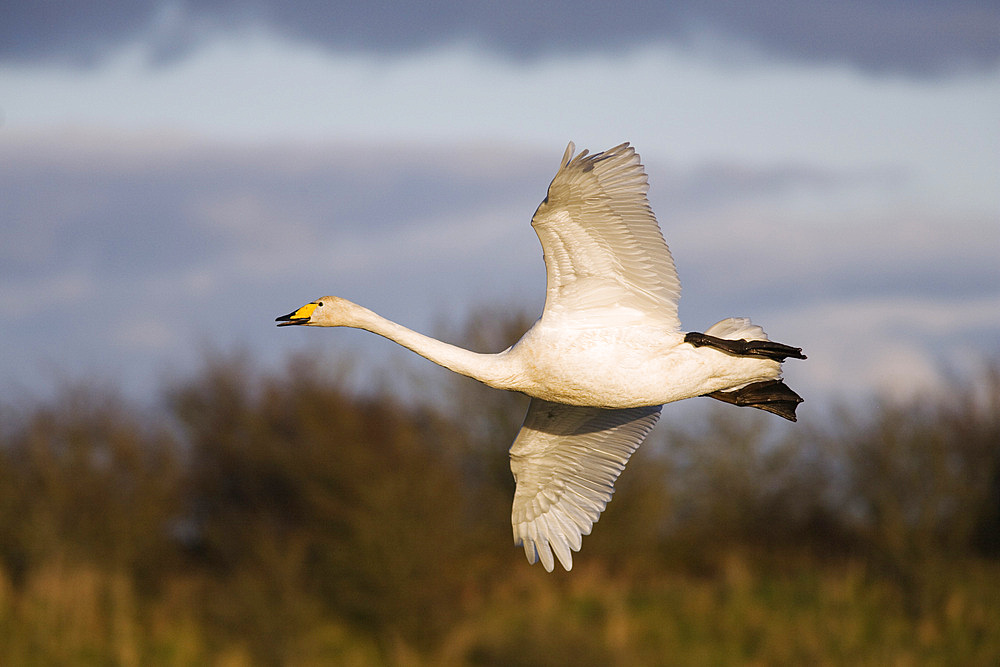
[{"x": 319, "y": 303}]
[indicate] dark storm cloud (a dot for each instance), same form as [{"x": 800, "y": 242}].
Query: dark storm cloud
[
  {"x": 148, "y": 211},
  {"x": 918, "y": 37}
]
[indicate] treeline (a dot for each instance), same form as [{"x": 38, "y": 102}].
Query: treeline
[{"x": 275, "y": 518}]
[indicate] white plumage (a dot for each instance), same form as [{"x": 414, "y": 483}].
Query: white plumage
[
  {"x": 603, "y": 358},
  {"x": 565, "y": 461}
]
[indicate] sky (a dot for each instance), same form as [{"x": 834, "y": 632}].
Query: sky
[{"x": 174, "y": 175}]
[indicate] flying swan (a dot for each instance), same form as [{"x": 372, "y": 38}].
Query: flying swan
[{"x": 605, "y": 355}]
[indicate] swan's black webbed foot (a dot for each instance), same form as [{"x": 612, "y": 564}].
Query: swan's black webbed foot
[
  {"x": 771, "y": 395},
  {"x": 746, "y": 348}
]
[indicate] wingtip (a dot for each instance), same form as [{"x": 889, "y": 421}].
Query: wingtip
[
  {"x": 546, "y": 552},
  {"x": 568, "y": 155}
]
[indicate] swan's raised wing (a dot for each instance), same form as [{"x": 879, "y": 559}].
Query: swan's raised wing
[
  {"x": 565, "y": 461},
  {"x": 605, "y": 258}
]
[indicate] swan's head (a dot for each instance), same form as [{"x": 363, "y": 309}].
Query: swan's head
[{"x": 327, "y": 311}]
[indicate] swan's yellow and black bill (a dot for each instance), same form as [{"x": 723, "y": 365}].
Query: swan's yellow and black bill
[{"x": 300, "y": 316}]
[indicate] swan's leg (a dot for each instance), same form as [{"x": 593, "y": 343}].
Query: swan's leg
[
  {"x": 746, "y": 348},
  {"x": 770, "y": 395}
]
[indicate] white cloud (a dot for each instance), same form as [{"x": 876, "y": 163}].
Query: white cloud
[
  {"x": 902, "y": 347},
  {"x": 145, "y": 335},
  {"x": 48, "y": 296}
]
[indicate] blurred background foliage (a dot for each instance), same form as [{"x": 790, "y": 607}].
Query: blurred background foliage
[{"x": 276, "y": 518}]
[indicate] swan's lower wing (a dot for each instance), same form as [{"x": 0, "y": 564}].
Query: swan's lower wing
[{"x": 565, "y": 461}]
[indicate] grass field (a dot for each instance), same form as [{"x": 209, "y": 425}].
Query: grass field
[
  {"x": 277, "y": 520},
  {"x": 807, "y": 614}
]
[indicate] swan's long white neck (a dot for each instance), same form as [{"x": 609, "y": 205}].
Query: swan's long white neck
[{"x": 491, "y": 369}]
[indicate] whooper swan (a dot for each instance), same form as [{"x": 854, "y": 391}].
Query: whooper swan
[{"x": 605, "y": 355}]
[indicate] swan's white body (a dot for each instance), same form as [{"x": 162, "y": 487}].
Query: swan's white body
[
  {"x": 607, "y": 367},
  {"x": 605, "y": 355}
]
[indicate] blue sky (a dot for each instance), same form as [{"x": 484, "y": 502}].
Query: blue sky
[{"x": 173, "y": 177}]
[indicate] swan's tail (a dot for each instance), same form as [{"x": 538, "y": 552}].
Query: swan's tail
[
  {"x": 738, "y": 336},
  {"x": 734, "y": 328}
]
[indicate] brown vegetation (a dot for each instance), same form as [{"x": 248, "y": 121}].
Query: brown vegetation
[{"x": 277, "y": 519}]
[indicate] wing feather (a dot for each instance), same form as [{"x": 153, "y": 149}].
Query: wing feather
[
  {"x": 565, "y": 461},
  {"x": 605, "y": 257}
]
